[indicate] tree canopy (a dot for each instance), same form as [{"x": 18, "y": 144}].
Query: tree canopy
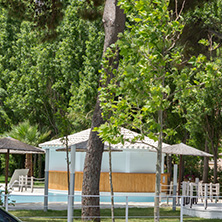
[{"x": 40, "y": 80}]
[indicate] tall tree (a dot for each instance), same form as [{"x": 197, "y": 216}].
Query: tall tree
[
  {"x": 203, "y": 103},
  {"x": 114, "y": 23},
  {"x": 139, "y": 93},
  {"x": 46, "y": 14},
  {"x": 49, "y": 74}
]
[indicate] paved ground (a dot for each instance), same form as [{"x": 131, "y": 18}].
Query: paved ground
[{"x": 213, "y": 210}]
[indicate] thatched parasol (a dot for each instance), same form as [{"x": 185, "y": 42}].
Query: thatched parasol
[
  {"x": 183, "y": 149},
  {"x": 13, "y": 146}
]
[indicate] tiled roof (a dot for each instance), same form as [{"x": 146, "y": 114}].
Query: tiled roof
[{"x": 80, "y": 139}]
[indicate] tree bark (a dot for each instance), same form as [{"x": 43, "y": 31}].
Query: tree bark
[
  {"x": 214, "y": 148},
  {"x": 215, "y": 163},
  {"x": 114, "y": 23},
  {"x": 28, "y": 164},
  {"x": 40, "y": 166},
  {"x": 206, "y": 164},
  {"x": 91, "y": 173},
  {"x": 169, "y": 167},
  {"x": 35, "y": 166}
]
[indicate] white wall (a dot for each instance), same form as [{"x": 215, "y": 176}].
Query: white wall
[{"x": 129, "y": 161}]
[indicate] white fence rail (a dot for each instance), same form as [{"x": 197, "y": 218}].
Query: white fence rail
[{"x": 191, "y": 194}]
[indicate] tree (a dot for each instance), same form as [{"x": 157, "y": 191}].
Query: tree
[
  {"x": 114, "y": 23},
  {"x": 203, "y": 104},
  {"x": 141, "y": 88},
  {"x": 46, "y": 15},
  {"x": 203, "y": 21},
  {"x": 49, "y": 74}
]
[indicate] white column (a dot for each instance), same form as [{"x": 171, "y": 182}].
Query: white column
[
  {"x": 162, "y": 167},
  {"x": 46, "y": 191},
  {"x": 174, "y": 186},
  {"x": 72, "y": 184},
  {"x": 127, "y": 210},
  {"x": 127, "y": 153}
]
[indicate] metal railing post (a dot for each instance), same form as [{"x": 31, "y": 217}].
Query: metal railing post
[
  {"x": 181, "y": 209},
  {"x": 127, "y": 209},
  {"x": 6, "y": 202},
  {"x": 70, "y": 208},
  {"x": 174, "y": 187},
  {"x": 46, "y": 190}
]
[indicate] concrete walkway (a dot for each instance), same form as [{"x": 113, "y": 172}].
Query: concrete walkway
[{"x": 213, "y": 211}]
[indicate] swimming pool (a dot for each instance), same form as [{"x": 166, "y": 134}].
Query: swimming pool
[{"x": 62, "y": 197}]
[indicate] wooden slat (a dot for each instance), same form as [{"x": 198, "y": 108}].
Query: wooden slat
[{"x": 122, "y": 182}]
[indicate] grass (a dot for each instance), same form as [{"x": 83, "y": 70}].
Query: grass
[
  {"x": 2, "y": 179},
  {"x": 135, "y": 213}
]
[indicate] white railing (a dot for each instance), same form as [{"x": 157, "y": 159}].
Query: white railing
[
  {"x": 210, "y": 192},
  {"x": 203, "y": 191}
]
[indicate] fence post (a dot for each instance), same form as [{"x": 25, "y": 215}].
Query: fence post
[
  {"x": 181, "y": 209},
  {"x": 174, "y": 186},
  {"x": 72, "y": 184},
  {"x": 46, "y": 190},
  {"x": 6, "y": 202},
  {"x": 127, "y": 209},
  {"x": 70, "y": 208}
]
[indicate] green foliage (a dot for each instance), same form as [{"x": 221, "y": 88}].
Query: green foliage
[
  {"x": 142, "y": 84},
  {"x": 201, "y": 97},
  {"x": 203, "y": 21},
  {"x": 200, "y": 101},
  {"x": 41, "y": 81},
  {"x": 45, "y": 14},
  {"x": 28, "y": 133}
]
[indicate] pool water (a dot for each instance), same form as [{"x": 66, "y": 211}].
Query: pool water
[{"x": 56, "y": 197}]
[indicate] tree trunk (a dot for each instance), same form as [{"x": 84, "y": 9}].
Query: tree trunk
[
  {"x": 92, "y": 168},
  {"x": 206, "y": 164},
  {"x": 180, "y": 174},
  {"x": 39, "y": 166},
  {"x": 28, "y": 164},
  {"x": 214, "y": 148},
  {"x": 169, "y": 167},
  {"x": 35, "y": 166},
  {"x": 158, "y": 169},
  {"x": 114, "y": 23},
  {"x": 215, "y": 166}
]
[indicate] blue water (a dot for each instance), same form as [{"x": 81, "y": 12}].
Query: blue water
[{"x": 63, "y": 198}]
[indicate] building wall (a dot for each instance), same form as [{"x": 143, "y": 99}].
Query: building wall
[
  {"x": 122, "y": 182},
  {"x": 133, "y": 171},
  {"x": 128, "y": 161}
]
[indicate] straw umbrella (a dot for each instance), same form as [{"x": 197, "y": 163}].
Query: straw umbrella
[
  {"x": 10, "y": 145},
  {"x": 182, "y": 149}
]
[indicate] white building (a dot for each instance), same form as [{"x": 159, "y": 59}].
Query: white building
[{"x": 133, "y": 165}]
